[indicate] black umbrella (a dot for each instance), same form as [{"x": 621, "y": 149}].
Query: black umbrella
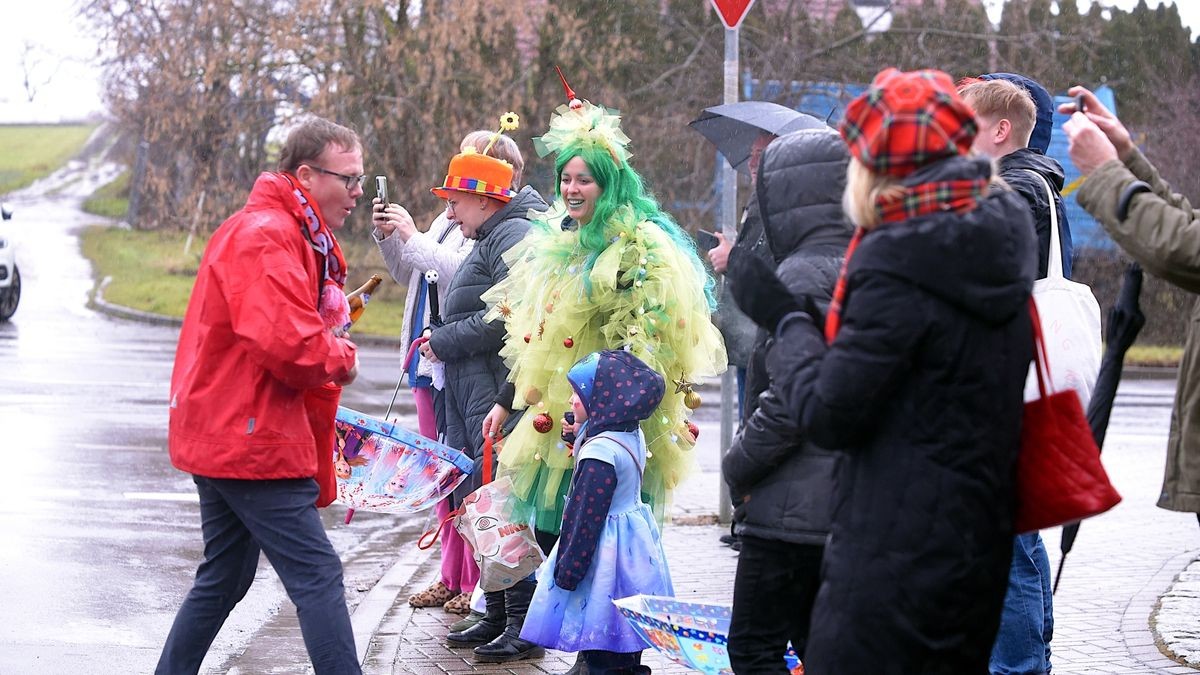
[
  {"x": 733, "y": 127},
  {"x": 1125, "y": 320}
]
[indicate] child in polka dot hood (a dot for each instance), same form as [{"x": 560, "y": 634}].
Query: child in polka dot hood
[
  {"x": 617, "y": 390},
  {"x": 610, "y": 545}
]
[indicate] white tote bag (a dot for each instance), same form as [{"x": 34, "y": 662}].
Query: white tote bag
[{"x": 1070, "y": 319}]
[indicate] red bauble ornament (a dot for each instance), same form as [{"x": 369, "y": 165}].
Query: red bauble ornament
[
  {"x": 543, "y": 423},
  {"x": 695, "y": 430},
  {"x": 569, "y": 342},
  {"x": 527, "y": 336}
]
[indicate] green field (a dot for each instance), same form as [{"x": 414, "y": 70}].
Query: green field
[
  {"x": 31, "y": 151},
  {"x": 150, "y": 272}
]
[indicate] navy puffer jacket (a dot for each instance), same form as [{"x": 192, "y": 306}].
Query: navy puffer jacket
[{"x": 782, "y": 485}]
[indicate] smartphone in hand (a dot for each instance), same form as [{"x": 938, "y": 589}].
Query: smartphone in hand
[
  {"x": 706, "y": 240},
  {"x": 381, "y": 189},
  {"x": 1079, "y": 107},
  {"x": 568, "y": 435}
]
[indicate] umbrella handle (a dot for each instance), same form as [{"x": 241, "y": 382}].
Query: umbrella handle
[
  {"x": 412, "y": 351},
  {"x": 436, "y": 531}
]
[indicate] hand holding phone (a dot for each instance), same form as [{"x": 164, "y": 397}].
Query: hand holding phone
[
  {"x": 706, "y": 240},
  {"x": 568, "y": 428},
  {"x": 1079, "y": 106}
]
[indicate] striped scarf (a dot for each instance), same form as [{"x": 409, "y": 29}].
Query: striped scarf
[{"x": 332, "y": 300}]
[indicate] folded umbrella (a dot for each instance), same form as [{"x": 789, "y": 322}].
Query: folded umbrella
[{"x": 733, "y": 127}]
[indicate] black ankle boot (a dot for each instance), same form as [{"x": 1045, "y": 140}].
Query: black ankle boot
[
  {"x": 509, "y": 646},
  {"x": 490, "y": 627}
]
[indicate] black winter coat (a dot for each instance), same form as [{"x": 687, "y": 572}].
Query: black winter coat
[
  {"x": 470, "y": 346},
  {"x": 782, "y": 485},
  {"x": 922, "y": 389},
  {"x": 1014, "y": 169}
]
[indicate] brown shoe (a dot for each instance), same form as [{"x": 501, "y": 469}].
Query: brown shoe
[
  {"x": 459, "y": 604},
  {"x": 434, "y": 596}
]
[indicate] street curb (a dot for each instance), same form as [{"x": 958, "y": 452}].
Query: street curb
[
  {"x": 1164, "y": 633},
  {"x": 381, "y": 599},
  {"x": 97, "y": 302}
]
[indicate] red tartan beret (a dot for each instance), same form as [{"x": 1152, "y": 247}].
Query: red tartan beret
[{"x": 906, "y": 120}]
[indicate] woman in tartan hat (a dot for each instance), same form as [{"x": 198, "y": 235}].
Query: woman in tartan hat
[{"x": 917, "y": 375}]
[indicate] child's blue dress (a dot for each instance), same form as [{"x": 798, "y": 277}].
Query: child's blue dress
[{"x": 629, "y": 560}]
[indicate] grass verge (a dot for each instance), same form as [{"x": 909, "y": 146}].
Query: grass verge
[
  {"x": 111, "y": 200},
  {"x": 31, "y": 151},
  {"x": 151, "y": 272},
  {"x": 1150, "y": 355}
]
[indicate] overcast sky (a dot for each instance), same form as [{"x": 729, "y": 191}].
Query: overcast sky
[{"x": 66, "y": 79}]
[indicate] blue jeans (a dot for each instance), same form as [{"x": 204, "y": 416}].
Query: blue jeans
[
  {"x": 1027, "y": 625},
  {"x": 240, "y": 518}
]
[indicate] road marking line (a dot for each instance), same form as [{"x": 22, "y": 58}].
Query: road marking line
[
  {"x": 164, "y": 496},
  {"x": 102, "y": 446}
]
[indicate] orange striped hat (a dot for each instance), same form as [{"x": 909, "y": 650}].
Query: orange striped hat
[{"x": 478, "y": 174}]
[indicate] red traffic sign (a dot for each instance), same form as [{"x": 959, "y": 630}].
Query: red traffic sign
[{"x": 732, "y": 11}]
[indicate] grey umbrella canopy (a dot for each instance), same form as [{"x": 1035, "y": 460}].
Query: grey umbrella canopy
[{"x": 733, "y": 127}]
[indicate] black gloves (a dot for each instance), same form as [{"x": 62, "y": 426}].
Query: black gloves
[{"x": 761, "y": 295}]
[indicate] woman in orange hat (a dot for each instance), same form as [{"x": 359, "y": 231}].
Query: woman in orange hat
[
  {"x": 918, "y": 378},
  {"x": 481, "y": 200},
  {"x": 409, "y": 254}
]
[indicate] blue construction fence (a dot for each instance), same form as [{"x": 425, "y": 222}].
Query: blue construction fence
[{"x": 828, "y": 100}]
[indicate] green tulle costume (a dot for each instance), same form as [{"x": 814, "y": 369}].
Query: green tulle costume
[{"x": 644, "y": 292}]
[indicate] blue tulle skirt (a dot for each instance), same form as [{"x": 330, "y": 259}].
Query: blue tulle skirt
[{"x": 629, "y": 561}]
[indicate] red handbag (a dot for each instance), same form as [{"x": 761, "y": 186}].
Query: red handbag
[{"x": 1059, "y": 475}]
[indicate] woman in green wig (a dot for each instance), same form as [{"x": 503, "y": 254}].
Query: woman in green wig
[{"x": 604, "y": 268}]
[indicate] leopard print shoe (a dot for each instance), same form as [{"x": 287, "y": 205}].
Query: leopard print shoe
[
  {"x": 434, "y": 596},
  {"x": 459, "y": 604}
]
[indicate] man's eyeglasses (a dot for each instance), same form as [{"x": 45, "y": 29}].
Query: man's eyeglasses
[{"x": 350, "y": 181}]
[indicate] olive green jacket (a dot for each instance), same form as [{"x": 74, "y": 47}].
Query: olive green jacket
[{"x": 1162, "y": 233}]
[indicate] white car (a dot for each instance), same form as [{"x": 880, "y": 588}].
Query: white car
[{"x": 10, "y": 276}]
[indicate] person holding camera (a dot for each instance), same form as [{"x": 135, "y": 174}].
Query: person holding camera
[
  {"x": 1158, "y": 228},
  {"x": 409, "y": 254}
]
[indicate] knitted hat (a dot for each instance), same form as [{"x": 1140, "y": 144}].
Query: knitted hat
[
  {"x": 477, "y": 174},
  {"x": 906, "y": 120}
]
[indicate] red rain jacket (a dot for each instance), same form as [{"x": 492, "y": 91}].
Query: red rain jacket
[{"x": 252, "y": 344}]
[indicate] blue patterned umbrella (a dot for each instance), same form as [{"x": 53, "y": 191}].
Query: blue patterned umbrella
[
  {"x": 692, "y": 634},
  {"x": 384, "y": 467}
]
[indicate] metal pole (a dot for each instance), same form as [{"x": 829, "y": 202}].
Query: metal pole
[
  {"x": 135, "y": 184},
  {"x": 728, "y": 221}
]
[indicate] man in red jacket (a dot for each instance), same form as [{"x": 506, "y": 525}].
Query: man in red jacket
[{"x": 265, "y": 326}]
